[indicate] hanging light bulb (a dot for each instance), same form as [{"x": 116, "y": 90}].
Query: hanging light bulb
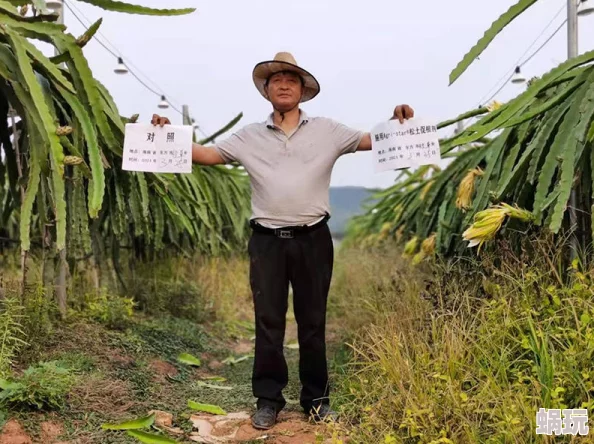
[
  {"x": 586, "y": 7},
  {"x": 518, "y": 77},
  {"x": 54, "y": 5},
  {"x": 163, "y": 103},
  {"x": 121, "y": 68}
]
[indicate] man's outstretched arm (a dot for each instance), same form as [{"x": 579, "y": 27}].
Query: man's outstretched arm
[
  {"x": 202, "y": 155},
  {"x": 401, "y": 112}
]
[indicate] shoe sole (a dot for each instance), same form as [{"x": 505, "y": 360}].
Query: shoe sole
[{"x": 261, "y": 427}]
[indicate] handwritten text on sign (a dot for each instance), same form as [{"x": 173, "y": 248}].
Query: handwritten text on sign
[
  {"x": 410, "y": 144},
  {"x": 158, "y": 149}
]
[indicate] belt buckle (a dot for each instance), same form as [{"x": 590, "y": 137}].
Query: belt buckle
[{"x": 284, "y": 234}]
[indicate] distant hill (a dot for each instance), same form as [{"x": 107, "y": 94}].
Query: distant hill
[{"x": 346, "y": 202}]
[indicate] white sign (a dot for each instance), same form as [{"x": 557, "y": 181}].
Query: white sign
[
  {"x": 157, "y": 149},
  {"x": 404, "y": 145}
]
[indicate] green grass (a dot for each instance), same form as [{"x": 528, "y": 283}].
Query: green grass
[
  {"x": 124, "y": 357},
  {"x": 127, "y": 365},
  {"x": 461, "y": 352}
]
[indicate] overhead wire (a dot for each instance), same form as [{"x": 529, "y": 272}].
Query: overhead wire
[
  {"x": 519, "y": 61},
  {"x": 131, "y": 67},
  {"x": 528, "y": 59},
  {"x": 506, "y": 78},
  {"x": 116, "y": 52}
]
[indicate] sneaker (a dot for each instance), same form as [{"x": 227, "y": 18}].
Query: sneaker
[
  {"x": 264, "y": 418},
  {"x": 323, "y": 412}
]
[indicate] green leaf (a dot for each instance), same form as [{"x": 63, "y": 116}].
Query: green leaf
[
  {"x": 511, "y": 162},
  {"x": 574, "y": 141},
  {"x": 139, "y": 423},
  {"x": 144, "y": 194},
  {"x": 40, "y": 6},
  {"x": 136, "y": 210},
  {"x": 6, "y": 384},
  {"x": 30, "y": 193},
  {"x": 215, "y": 378},
  {"x": 110, "y": 108},
  {"x": 550, "y": 104},
  {"x": 129, "y": 8},
  {"x": 592, "y": 181},
  {"x": 9, "y": 9},
  {"x": 89, "y": 33},
  {"x": 86, "y": 84},
  {"x": 464, "y": 116},
  {"x": 539, "y": 142},
  {"x": 208, "y": 408},
  {"x": 223, "y": 130},
  {"x": 213, "y": 386},
  {"x": 42, "y": 12},
  {"x": 523, "y": 101},
  {"x": 232, "y": 361},
  {"x": 51, "y": 70},
  {"x": 81, "y": 41},
  {"x": 186, "y": 358},
  {"x": 44, "y": 31},
  {"x": 48, "y": 132},
  {"x": 150, "y": 438},
  {"x": 441, "y": 215},
  {"x": 159, "y": 223},
  {"x": 509, "y": 16},
  {"x": 494, "y": 156},
  {"x": 97, "y": 191}
]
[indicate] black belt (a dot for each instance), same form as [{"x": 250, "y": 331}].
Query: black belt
[{"x": 289, "y": 232}]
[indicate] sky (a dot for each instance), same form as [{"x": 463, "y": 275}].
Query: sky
[{"x": 368, "y": 57}]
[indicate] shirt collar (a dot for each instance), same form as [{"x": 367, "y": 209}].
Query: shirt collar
[{"x": 303, "y": 118}]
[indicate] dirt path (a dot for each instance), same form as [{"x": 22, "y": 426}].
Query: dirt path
[
  {"x": 293, "y": 426},
  {"x": 128, "y": 374},
  {"x": 235, "y": 427}
]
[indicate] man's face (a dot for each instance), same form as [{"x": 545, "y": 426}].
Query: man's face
[{"x": 284, "y": 90}]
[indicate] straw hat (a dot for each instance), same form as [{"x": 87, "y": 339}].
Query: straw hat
[{"x": 284, "y": 61}]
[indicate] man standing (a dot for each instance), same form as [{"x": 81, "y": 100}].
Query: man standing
[{"x": 289, "y": 159}]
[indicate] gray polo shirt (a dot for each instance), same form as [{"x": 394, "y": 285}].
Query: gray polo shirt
[{"x": 290, "y": 174}]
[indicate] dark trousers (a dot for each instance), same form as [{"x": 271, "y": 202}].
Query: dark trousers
[{"x": 305, "y": 262}]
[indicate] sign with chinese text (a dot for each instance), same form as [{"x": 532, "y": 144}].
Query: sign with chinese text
[
  {"x": 157, "y": 149},
  {"x": 410, "y": 144}
]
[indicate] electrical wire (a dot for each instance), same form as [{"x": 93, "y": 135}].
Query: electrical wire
[
  {"x": 509, "y": 75},
  {"x": 119, "y": 53},
  {"x": 528, "y": 59},
  {"x": 535, "y": 52},
  {"x": 129, "y": 65},
  {"x": 506, "y": 75}
]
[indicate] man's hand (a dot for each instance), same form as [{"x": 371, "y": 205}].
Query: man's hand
[
  {"x": 158, "y": 120},
  {"x": 402, "y": 113}
]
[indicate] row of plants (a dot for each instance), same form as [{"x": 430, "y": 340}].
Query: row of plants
[
  {"x": 519, "y": 161},
  {"x": 63, "y": 193},
  {"x": 461, "y": 352}
]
